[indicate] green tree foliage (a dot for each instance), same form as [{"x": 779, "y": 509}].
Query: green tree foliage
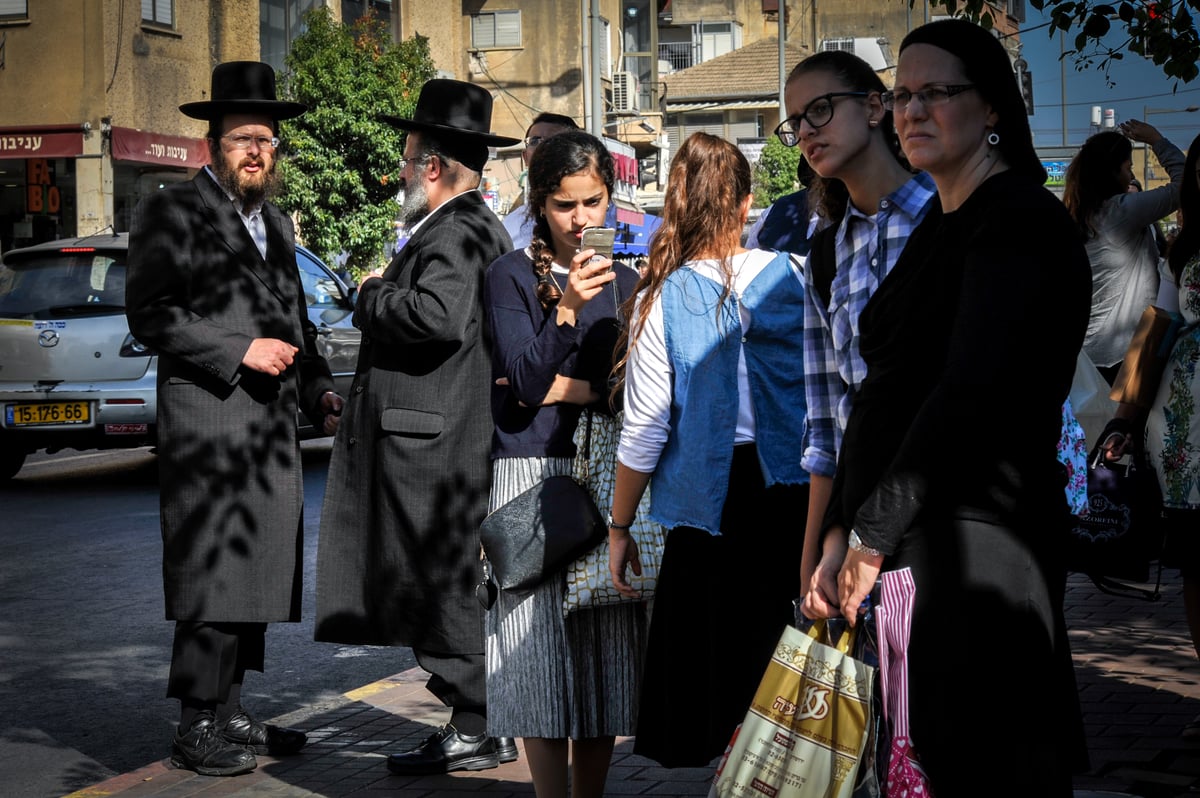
[
  {"x": 775, "y": 172},
  {"x": 340, "y": 159},
  {"x": 1162, "y": 31}
]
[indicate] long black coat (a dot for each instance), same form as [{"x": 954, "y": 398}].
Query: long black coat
[
  {"x": 198, "y": 292},
  {"x": 398, "y": 559}
]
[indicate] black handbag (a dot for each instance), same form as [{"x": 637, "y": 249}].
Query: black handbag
[
  {"x": 540, "y": 531},
  {"x": 1120, "y": 534}
]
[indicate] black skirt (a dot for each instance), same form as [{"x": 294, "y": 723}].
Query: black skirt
[{"x": 721, "y": 603}]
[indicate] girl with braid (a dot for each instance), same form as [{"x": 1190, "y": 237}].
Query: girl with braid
[{"x": 564, "y": 684}]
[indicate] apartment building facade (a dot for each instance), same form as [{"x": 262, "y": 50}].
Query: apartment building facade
[{"x": 90, "y": 89}]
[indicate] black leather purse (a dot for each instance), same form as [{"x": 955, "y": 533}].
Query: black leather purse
[
  {"x": 540, "y": 531},
  {"x": 1116, "y": 540}
]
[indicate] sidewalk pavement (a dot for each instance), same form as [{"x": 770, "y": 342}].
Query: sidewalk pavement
[{"x": 1138, "y": 676}]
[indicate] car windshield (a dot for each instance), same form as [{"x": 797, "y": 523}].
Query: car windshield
[{"x": 54, "y": 284}]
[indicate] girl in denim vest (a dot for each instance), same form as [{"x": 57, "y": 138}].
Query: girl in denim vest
[{"x": 714, "y": 418}]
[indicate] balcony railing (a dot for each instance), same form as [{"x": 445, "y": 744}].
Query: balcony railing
[{"x": 680, "y": 55}]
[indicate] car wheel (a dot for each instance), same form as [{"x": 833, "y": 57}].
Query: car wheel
[{"x": 11, "y": 460}]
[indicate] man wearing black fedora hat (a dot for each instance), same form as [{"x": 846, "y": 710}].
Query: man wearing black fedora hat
[
  {"x": 214, "y": 289},
  {"x": 398, "y": 559}
]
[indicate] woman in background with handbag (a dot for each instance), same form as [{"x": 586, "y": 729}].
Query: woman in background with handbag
[
  {"x": 714, "y": 418},
  {"x": 568, "y": 686},
  {"x": 1116, "y": 225},
  {"x": 1172, "y": 422},
  {"x": 948, "y": 464}
]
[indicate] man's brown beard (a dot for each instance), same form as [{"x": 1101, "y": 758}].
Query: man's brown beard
[{"x": 247, "y": 192}]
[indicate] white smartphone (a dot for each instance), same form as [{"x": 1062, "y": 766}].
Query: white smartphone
[{"x": 600, "y": 239}]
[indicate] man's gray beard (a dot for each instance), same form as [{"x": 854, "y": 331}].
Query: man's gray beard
[
  {"x": 416, "y": 203},
  {"x": 249, "y": 195}
]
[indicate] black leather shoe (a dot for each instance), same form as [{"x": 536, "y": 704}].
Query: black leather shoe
[
  {"x": 506, "y": 749},
  {"x": 205, "y": 751},
  {"x": 445, "y": 751},
  {"x": 262, "y": 738}
]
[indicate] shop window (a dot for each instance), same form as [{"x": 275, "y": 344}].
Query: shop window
[
  {"x": 494, "y": 29},
  {"x": 159, "y": 12},
  {"x": 14, "y": 9}
]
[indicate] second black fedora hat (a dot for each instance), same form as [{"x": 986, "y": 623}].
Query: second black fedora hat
[{"x": 454, "y": 108}]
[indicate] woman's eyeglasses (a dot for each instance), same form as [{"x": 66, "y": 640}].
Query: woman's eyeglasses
[
  {"x": 931, "y": 96},
  {"x": 819, "y": 113}
]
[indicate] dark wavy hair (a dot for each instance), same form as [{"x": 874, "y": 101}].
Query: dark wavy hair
[
  {"x": 569, "y": 153},
  {"x": 1091, "y": 178},
  {"x": 828, "y": 196},
  {"x": 1187, "y": 241}
]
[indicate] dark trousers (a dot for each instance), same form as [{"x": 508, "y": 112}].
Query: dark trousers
[
  {"x": 207, "y": 658},
  {"x": 458, "y": 680}
]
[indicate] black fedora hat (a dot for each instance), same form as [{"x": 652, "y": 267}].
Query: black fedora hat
[
  {"x": 456, "y": 109},
  {"x": 243, "y": 87}
]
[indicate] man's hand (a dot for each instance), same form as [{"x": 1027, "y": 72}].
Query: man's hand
[
  {"x": 331, "y": 406},
  {"x": 269, "y": 355},
  {"x": 371, "y": 275}
]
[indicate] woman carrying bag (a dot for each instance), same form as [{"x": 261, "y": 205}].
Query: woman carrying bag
[
  {"x": 949, "y": 465},
  {"x": 568, "y": 686}
]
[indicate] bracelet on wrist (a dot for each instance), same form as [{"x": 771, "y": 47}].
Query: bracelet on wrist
[
  {"x": 856, "y": 543},
  {"x": 614, "y": 525}
]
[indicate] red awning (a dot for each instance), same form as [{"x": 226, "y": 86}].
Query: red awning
[
  {"x": 41, "y": 141},
  {"x": 157, "y": 148}
]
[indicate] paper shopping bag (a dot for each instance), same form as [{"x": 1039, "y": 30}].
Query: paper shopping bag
[
  {"x": 1141, "y": 370},
  {"x": 807, "y": 727}
]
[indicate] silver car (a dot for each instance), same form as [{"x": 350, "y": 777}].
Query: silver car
[{"x": 71, "y": 375}]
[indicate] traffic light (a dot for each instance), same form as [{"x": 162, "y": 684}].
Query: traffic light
[{"x": 1025, "y": 81}]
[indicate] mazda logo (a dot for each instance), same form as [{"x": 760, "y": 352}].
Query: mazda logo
[{"x": 48, "y": 338}]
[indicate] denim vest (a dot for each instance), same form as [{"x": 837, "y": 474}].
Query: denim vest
[{"x": 703, "y": 342}]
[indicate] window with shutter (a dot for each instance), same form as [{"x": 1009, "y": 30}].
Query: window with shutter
[
  {"x": 14, "y": 9},
  {"x": 159, "y": 12},
  {"x": 495, "y": 29}
]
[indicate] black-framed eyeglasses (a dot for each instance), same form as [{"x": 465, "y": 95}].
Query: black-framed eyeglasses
[
  {"x": 819, "y": 113},
  {"x": 240, "y": 141},
  {"x": 933, "y": 95},
  {"x": 533, "y": 141}
]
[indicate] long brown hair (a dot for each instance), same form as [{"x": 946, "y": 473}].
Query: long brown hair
[{"x": 706, "y": 186}]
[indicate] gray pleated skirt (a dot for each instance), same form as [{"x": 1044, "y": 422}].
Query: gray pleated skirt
[{"x": 548, "y": 676}]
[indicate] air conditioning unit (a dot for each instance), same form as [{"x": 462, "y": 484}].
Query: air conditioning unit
[{"x": 624, "y": 93}]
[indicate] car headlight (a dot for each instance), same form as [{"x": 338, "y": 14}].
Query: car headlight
[{"x": 132, "y": 347}]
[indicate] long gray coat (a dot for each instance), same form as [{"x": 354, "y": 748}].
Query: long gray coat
[
  {"x": 198, "y": 292},
  {"x": 398, "y": 558}
]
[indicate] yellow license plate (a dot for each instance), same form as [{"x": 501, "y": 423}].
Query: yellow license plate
[{"x": 42, "y": 413}]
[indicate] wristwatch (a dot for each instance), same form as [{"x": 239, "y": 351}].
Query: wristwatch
[
  {"x": 856, "y": 543},
  {"x": 614, "y": 525}
]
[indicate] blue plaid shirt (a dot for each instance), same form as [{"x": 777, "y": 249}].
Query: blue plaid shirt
[{"x": 867, "y": 247}]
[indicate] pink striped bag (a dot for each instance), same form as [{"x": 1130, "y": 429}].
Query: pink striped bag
[{"x": 893, "y": 618}]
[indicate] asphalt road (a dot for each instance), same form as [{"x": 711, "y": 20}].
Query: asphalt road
[{"x": 84, "y": 648}]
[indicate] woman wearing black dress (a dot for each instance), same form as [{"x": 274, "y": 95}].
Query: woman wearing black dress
[{"x": 948, "y": 464}]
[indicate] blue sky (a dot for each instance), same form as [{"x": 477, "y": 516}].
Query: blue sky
[{"x": 1137, "y": 84}]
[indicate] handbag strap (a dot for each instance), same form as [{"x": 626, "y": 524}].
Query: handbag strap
[{"x": 587, "y": 448}]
